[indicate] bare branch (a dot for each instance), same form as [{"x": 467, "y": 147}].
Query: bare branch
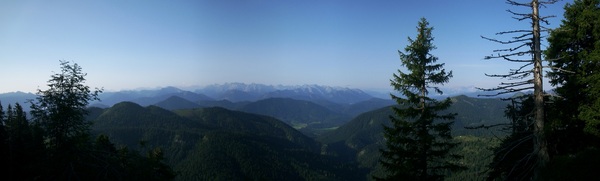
[
  {"x": 512, "y": 49},
  {"x": 515, "y": 31},
  {"x": 520, "y": 19},
  {"x": 518, "y": 60},
  {"x": 544, "y": 20},
  {"x": 523, "y": 36},
  {"x": 550, "y": 16},
  {"x": 511, "y": 2},
  {"x": 548, "y": 2},
  {"x": 499, "y": 75},
  {"x": 520, "y": 75},
  {"x": 504, "y": 42},
  {"x": 487, "y": 127},
  {"x": 521, "y": 16},
  {"x": 559, "y": 69},
  {"x": 522, "y": 67},
  {"x": 506, "y": 56},
  {"x": 554, "y": 59},
  {"x": 504, "y": 91}
]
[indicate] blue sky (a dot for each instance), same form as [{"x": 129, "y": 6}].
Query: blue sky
[{"x": 147, "y": 44}]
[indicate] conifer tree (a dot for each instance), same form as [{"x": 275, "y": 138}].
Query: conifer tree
[
  {"x": 4, "y": 157},
  {"x": 574, "y": 51},
  {"x": 419, "y": 140},
  {"x": 21, "y": 144},
  {"x": 1, "y": 114},
  {"x": 574, "y": 54}
]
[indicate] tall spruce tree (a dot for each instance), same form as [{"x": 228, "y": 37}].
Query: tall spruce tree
[
  {"x": 419, "y": 141},
  {"x": 574, "y": 54},
  {"x": 574, "y": 51}
]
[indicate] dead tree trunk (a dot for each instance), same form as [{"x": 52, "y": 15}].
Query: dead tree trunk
[
  {"x": 528, "y": 76},
  {"x": 540, "y": 146}
]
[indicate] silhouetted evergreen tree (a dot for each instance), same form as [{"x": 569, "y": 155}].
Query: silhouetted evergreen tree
[
  {"x": 1, "y": 114},
  {"x": 574, "y": 49},
  {"x": 21, "y": 151},
  {"x": 3, "y": 144},
  {"x": 19, "y": 141},
  {"x": 574, "y": 54},
  {"x": 419, "y": 141},
  {"x": 67, "y": 152}
]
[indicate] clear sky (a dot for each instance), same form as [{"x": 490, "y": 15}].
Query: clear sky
[{"x": 130, "y": 44}]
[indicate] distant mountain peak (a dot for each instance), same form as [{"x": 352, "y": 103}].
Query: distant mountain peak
[
  {"x": 176, "y": 102},
  {"x": 170, "y": 89},
  {"x": 252, "y": 92}
]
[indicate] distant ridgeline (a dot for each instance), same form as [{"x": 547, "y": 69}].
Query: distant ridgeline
[{"x": 308, "y": 133}]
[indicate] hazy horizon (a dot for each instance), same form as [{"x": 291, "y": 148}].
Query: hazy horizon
[
  {"x": 379, "y": 93},
  {"x": 150, "y": 44}
]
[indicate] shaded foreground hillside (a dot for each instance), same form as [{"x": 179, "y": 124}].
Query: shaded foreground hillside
[
  {"x": 361, "y": 138},
  {"x": 219, "y": 144}
]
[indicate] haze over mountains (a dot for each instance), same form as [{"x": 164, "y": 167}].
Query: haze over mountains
[
  {"x": 241, "y": 92},
  {"x": 255, "y": 131},
  {"x": 273, "y": 138},
  {"x": 318, "y": 106}
]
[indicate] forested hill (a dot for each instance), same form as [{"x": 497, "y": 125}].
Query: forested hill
[
  {"x": 220, "y": 144},
  {"x": 470, "y": 112},
  {"x": 298, "y": 113},
  {"x": 362, "y": 137},
  {"x": 473, "y": 111}
]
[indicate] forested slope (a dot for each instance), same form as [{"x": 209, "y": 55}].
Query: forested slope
[
  {"x": 362, "y": 137},
  {"x": 220, "y": 144}
]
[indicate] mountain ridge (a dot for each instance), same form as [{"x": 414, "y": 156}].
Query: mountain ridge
[{"x": 220, "y": 144}]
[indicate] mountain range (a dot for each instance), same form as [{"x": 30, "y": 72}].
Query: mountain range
[
  {"x": 215, "y": 143},
  {"x": 17, "y": 97},
  {"x": 309, "y": 117},
  {"x": 317, "y": 108},
  {"x": 258, "y": 132},
  {"x": 220, "y": 94},
  {"x": 237, "y": 92}
]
